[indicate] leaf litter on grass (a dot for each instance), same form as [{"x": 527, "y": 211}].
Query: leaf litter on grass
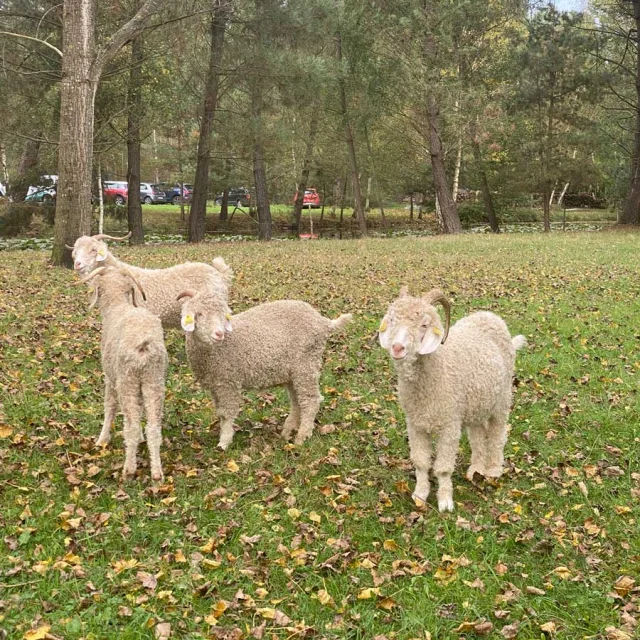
[{"x": 323, "y": 540}]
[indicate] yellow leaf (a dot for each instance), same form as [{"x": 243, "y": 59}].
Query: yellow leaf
[
  {"x": 38, "y": 634},
  {"x": 211, "y": 620},
  {"x": 390, "y": 545},
  {"x": 623, "y": 585},
  {"x": 325, "y": 597},
  {"x": 233, "y": 466},
  {"x": 180, "y": 556},
  {"x": 294, "y": 513},
  {"x": 267, "y": 612},
  {"x": 315, "y": 517},
  {"x": 367, "y": 594},
  {"x": 548, "y": 627},
  {"x": 219, "y": 608},
  {"x": 562, "y": 572},
  {"x": 5, "y": 431},
  {"x": 387, "y": 604},
  {"x": 621, "y": 509}
]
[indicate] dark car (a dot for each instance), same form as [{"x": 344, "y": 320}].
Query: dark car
[
  {"x": 173, "y": 192},
  {"x": 238, "y": 196},
  {"x": 151, "y": 193}
]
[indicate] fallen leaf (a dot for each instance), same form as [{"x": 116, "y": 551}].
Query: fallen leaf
[
  {"x": 163, "y": 631},
  {"x": 548, "y": 627},
  {"x": 510, "y": 631},
  {"x": 38, "y": 634}
]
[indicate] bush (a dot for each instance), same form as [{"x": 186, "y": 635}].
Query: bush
[{"x": 16, "y": 218}]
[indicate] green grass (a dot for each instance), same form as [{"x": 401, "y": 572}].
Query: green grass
[{"x": 333, "y": 517}]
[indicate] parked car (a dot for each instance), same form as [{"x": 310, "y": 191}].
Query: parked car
[
  {"x": 151, "y": 193},
  {"x": 172, "y": 193},
  {"x": 117, "y": 192},
  {"x": 45, "y": 195},
  {"x": 311, "y": 199},
  {"x": 238, "y": 196}
]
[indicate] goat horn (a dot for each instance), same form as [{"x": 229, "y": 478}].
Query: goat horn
[
  {"x": 435, "y": 296},
  {"x": 135, "y": 280},
  {"x": 68, "y": 247},
  {"x": 189, "y": 293},
  {"x": 104, "y": 236},
  {"x": 91, "y": 276}
]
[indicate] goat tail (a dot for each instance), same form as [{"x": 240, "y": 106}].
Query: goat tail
[
  {"x": 341, "y": 321},
  {"x": 147, "y": 353},
  {"x": 518, "y": 342},
  {"x": 224, "y": 269}
]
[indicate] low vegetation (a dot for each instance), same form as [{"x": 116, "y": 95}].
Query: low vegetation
[{"x": 272, "y": 540}]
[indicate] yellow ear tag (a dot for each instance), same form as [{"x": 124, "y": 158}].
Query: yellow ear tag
[
  {"x": 383, "y": 326},
  {"x": 188, "y": 323},
  {"x": 228, "y": 316},
  {"x": 102, "y": 253},
  {"x": 437, "y": 331}
]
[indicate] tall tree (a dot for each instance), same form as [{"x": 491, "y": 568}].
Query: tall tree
[
  {"x": 220, "y": 11},
  {"x": 82, "y": 66},
  {"x": 134, "y": 140}
]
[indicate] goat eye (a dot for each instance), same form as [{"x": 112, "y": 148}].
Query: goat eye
[{"x": 198, "y": 314}]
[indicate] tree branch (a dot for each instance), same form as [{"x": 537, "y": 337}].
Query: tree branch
[
  {"x": 21, "y": 35},
  {"x": 126, "y": 33}
]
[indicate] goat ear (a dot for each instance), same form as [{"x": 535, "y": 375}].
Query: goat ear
[
  {"x": 383, "y": 333},
  {"x": 431, "y": 341},
  {"x": 188, "y": 322},
  {"x": 102, "y": 252}
]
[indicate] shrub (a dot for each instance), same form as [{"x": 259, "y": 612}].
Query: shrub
[{"x": 16, "y": 218}]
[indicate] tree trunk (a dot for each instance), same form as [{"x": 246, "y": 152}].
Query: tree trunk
[
  {"x": 456, "y": 170},
  {"x": 82, "y": 66},
  {"x": 484, "y": 181},
  {"x": 353, "y": 160},
  {"x": 28, "y": 164},
  {"x": 4, "y": 174},
  {"x": 546, "y": 208},
  {"x": 411, "y": 207},
  {"x": 306, "y": 168},
  {"x": 134, "y": 125},
  {"x": 562, "y": 194},
  {"x": 77, "y": 100},
  {"x": 259, "y": 167},
  {"x": 631, "y": 209},
  {"x": 224, "y": 205},
  {"x": 219, "y": 15},
  {"x": 448, "y": 209}
]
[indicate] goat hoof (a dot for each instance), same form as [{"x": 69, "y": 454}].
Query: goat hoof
[
  {"x": 299, "y": 439},
  {"x": 101, "y": 443},
  {"x": 474, "y": 471},
  {"x": 492, "y": 472},
  {"x": 223, "y": 446},
  {"x": 157, "y": 477},
  {"x": 445, "y": 504}
]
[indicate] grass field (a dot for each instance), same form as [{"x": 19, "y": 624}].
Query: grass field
[{"x": 269, "y": 540}]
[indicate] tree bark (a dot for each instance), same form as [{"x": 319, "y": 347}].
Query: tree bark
[
  {"x": 448, "y": 209},
  {"x": 82, "y": 67},
  {"x": 306, "y": 168},
  {"x": 351, "y": 147},
  {"x": 259, "y": 166},
  {"x": 484, "y": 181},
  {"x": 546, "y": 208},
  {"x": 134, "y": 141},
  {"x": 77, "y": 101},
  {"x": 631, "y": 209},
  {"x": 219, "y": 16}
]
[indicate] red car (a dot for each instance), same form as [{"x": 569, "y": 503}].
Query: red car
[
  {"x": 311, "y": 199},
  {"x": 116, "y": 192}
]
